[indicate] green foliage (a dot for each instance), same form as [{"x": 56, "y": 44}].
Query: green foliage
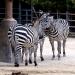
[{"x": 52, "y": 5}]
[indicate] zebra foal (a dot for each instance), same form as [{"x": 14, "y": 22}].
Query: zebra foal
[
  {"x": 22, "y": 37},
  {"x": 57, "y": 30}
]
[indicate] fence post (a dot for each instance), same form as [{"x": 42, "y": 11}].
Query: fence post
[
  {"x": 27, "y": 16},
  {"x": 19, "y": 12},
  {"x": 67, "y": 16},
  {"x": 57, "y": 14}
]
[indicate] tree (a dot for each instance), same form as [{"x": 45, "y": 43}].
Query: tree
[{"x": 52, "y": 5}]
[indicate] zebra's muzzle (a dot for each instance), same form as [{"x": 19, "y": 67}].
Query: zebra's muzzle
[{"x": 47, "y": 29}]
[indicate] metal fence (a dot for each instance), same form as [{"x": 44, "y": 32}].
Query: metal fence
[
  {"x": 22, "y": 16},
  {"x": 2, "y": 13},
  {"x": 25, "y": 16},
  {"x": 70, "y": 17}
]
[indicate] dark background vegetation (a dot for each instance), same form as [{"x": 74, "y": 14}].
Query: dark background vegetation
[{"x": 52, "y": 5}]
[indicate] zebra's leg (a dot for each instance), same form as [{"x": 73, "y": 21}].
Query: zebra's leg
[
  {"x": 59, "y": 49},
  {"x": 13, "y": 52},
  {"x": 26, "y": 56},
  {"x": 35, "y": 53},
  {"x": 23, "y": 51},
  {"x": 41, "y": 49},
  {"x": 17, "y": 55},
  {"x": 64, "y": 42},
  {"x": 52, "y": 44},
  {"x": 30, "y": 55}
]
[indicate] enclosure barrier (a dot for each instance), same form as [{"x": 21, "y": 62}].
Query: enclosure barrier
[{"x": 25, "y": 16}]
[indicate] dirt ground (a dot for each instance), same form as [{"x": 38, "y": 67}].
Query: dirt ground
[{"x": 64, "y": 66}]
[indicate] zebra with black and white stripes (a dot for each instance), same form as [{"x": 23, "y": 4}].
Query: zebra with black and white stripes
[
  {"x": 39, "y": 24},
  {"x": 57, "y": 30},
  {"x": 22, "y": 37},
  {"x": 41, "y": 40}
]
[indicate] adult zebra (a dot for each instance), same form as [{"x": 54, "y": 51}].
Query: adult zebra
[
  {"x": 39, "y": 24},
  {"x": 23, "y": 37},
  {"x": 41, "y": 35},
  {"x": 57, "y": 30}
]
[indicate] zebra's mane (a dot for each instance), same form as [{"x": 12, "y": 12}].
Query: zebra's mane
[
  {"x": 36, "y": 22},
  {"x": 28, "y": 25}
]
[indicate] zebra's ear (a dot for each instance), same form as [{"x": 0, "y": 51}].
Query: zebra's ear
[{"x": 41, "y": 12}]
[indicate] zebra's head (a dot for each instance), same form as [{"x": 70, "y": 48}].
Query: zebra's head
[
  {"x": 46, "y": 20},
  {"x": 42, "y": 23},
  {"x": 49, "y": 23}
]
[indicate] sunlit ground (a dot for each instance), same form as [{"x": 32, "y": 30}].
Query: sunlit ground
[{"x": 64, "y": 66}]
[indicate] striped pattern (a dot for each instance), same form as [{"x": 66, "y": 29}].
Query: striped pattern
[
  {"x": 23, "y": 37},
  {"x": 57, "y": 30},
  {"x": 41, "y": 35},
  {"x": 40, "y": 25},
  {"x": 10, "y": 34}
]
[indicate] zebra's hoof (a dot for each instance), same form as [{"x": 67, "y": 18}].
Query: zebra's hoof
[
  {"x": 16, "y": 65},
  {"x": 53, "y": 57},
  {"x": 30, "y": 61},
  {"x": 26, "y": 64},
  {"x": 64, "y": 54},
  {"x": 35, "y": 63},
  {"x": 42, "y": 59}
]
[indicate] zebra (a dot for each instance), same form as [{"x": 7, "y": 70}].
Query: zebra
[
  {"x": 23, "y": 37},
  {"x": 39, "y": 25},
  {"x": 41, "y": 40},
  {"x": 57, "y": 30}
]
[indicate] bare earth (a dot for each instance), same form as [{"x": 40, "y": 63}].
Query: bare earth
[{"x": 65, "y": 66}]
